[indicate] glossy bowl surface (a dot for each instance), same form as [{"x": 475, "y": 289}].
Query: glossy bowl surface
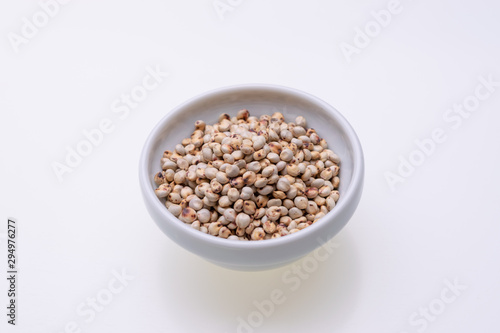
[{"x": 259, "y": 99}]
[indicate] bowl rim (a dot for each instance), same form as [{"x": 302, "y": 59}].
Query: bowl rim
[{"x": 350, "y": 193}]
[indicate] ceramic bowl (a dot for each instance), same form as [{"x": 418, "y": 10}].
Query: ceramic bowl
[{"x": 259, "y": 99}]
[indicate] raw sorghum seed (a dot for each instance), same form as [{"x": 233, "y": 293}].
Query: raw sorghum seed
[
  {"x": 163, "y": 190},
  {"x": 188, "y": 215},
  {"x": 301, "y": 202},
  {"x": 214, "y": 228},
  {"x": 258, "y": 234},
  {"x": 175, "y": 210},
  {"x": 283, "y": 184},
  {"x": 295, "y": 213},
  {"x": 204, "y": 215},
  {"x": 242, "y": 220}
]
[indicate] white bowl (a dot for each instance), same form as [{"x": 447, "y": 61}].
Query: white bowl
[{"x": 259, "y": 99}]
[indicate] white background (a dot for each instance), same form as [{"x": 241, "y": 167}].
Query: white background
[{"x": 394, "y": 256}]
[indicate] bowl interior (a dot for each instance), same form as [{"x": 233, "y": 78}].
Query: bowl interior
[{"x": 179, "y": 124}]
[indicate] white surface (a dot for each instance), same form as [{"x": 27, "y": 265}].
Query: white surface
[{"x": 392, "y": 258}]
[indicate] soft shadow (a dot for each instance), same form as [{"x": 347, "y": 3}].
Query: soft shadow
[{"x": 210, "y": 298}]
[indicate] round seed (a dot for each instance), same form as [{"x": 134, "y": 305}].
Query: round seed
[
  {"x": 230, "y": 215},
  {"x": 237, "y": 182},
  {"x": 258, "y": 142},
  {"x": 301, "y": 121},
  {"x": 260, "y": 154},
  {"x": 260, "y": 182},
  {"x": 273, "y": 157},
  {"x": 324, "y": 191},
  {"x": 302, "y": 225},
  {"x": 261, "y": 201},
  {"x": 160, "y": 178},
  {"x": 226, "y": 149},
  {"x": 215, "y": 186},
  {"x": 330, "y": 203},
  {"x": 327, "y": 174},
  {"x": 269, "y": 227},
  {"x": 224, "y": 232},
  {"x": 210, "y": 173},
  {"x": 222, "y": 177},
  {"x": 286, "y": 135},
  {"x": 318, "y": 183},
  {"x": 224, "y": 201},
  {"x": 293, "y": 170},
  {"x": 279, "y": 195},
  {"x": 311, "y": 192},
  {"x": 163, "y": 190},
  {"x": 283, "y": 184},
  {"x": 179, "y": 149},
  {"x": 295, "y": 213},
  {"x": 232, "y": 171},
  {"x": 233, "y": 194},
  {"x": 246, "y": 192},
  {"x": 249, "y": 207},
  {"x": 214, "y": 228},
  {"x": 281, "y": 165},
  {"x": 312, "y": 207},
  {"x": 243, "y": 114},
  {"x": 298, "y": 131},
  {"x": 238, "y": 205},
  {"x": 286, "y": 155},
  {"x": 275, "y": 148},
  {"x": 175, "y": 210},
  {"x": 188, "y": 215},
  {"x": 268, "y": 189},
  {"x": 174, "y": 198},
  {"x": 204, "y": 215},
  {"x": 273, "y": 213},
  {"x": 196, "y": 203},
  {"x": 242, "y": 220},
  {"x": 270, "y": 170},
  {"x": 320, "y": 201},
  {"x": 335, "y": 182},
  {"x": 196, "y": 225},
  {"x": 254, "y": 166},
  {"x": 259, "y": 213},
  {"x": 258, "y": 234}
]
